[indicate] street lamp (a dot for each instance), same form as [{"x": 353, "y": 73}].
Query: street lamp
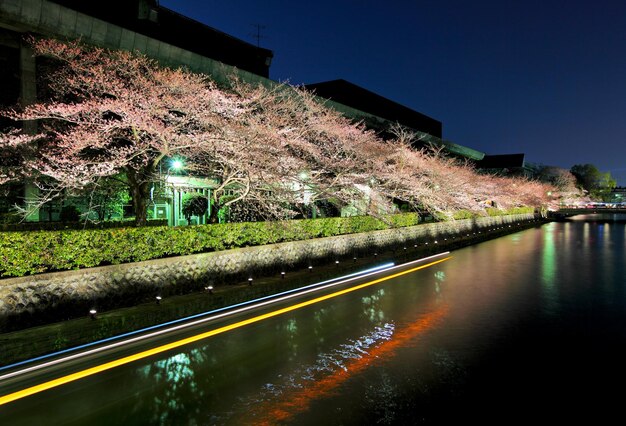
[{"x": 177, "y": 164}]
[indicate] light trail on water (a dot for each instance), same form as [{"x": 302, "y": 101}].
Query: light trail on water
[{"x": 201, "y": 336}]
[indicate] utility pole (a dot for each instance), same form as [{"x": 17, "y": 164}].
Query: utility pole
[{"x": 257, "y": 35}]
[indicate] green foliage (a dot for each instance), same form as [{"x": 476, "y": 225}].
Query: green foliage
[
  {"x": 108, "y": 198},
  {"x": 592, "y": 180},
  {"x": 463, "y": 214},
  {"x": 194, "y": 204},
  {"x": 9, "y": 217},
  {"x": 26, "y": 253},
  {"x": 492, "y": 211}
]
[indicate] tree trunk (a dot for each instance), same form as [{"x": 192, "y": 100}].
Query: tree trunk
[
  {"x": 213, "y": 216},
  {"x": 140, "y": 192},
  {"x": 140, "y": 204}
]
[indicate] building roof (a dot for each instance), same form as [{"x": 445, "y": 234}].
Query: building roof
[
  {"x": 148, "y": 18},
  {"x": 503, "y": 161},
  {"x": 350, "y": 94}
]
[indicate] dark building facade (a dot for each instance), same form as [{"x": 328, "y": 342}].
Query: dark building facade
[
  {"x": 379, "y": 113},
  {"x": 147, "y": 17},
  {"x": 347, "y": 93},
  {"x": 505, "y": 164}
]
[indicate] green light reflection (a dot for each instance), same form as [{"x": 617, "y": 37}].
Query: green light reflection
[{"x": 548, "y": 269}]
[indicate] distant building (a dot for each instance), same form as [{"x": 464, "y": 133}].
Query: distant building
[
  {"x": 159, "y": 23},
  {"x": 618, "y": 194},
  {"x": 505, "y": 164},
  {"x": 350, "y": 94},
  {"x": 379, "y": 113}
]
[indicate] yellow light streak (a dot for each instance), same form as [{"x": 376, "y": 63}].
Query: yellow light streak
[{"x": 159, "y": 349}]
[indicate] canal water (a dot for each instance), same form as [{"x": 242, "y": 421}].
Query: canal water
[{"x": 530, "y": 327}]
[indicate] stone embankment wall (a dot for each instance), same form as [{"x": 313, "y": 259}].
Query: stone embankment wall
[{"x": 122, "y": 285}]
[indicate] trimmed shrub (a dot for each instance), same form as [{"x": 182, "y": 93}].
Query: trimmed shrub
[{"x": 26, "y": 253}]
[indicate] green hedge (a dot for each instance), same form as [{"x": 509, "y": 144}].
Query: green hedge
[
  {"x": 24, "y": 253},
  {"x": 491, "y": 211}
]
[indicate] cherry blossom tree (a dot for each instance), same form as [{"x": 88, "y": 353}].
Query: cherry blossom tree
[{"x": 112, "y": 113}]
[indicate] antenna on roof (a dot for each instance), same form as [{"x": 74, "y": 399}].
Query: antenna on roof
[{"x": 257, "y": 35}]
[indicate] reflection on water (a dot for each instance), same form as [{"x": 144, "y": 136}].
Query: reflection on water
[
  {"x": 333, "y": 369},
  {"x": 291, "y": 394},
  {"x": 548, "y": 270},
  {"x": 528, "y": 327}
]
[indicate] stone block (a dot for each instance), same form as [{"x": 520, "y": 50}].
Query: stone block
[
  {"x": 50, "y": 16},
  {"x": 67, "y": 22},
  {"x": 152, "y": 47},
  {"x": 165, "y": 53},
  {"x": 30, "y": 12},
  {"x": 13, "y": 8},
  {"x": 127, "y": 40},
  {"x": 113, "y": 36},
  {"x": 83, "y": 25},
  {"x": 98, "y": 31},
  {"x": 141, "y": 41}
]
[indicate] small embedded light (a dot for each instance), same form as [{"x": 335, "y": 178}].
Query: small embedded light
[
  {"x": 336, "y": 262},
  {"x": 310, "y": 268},
  {"x": 282, "y": 275},
  {"x": 405, "y": 248},
  {"x": 250, "y": 281},
  {"x": 209, "y": 289},
  {"x": 92, "y": 313},
  {"x": 375, "y": 254},
  {"x": 354, "y": 258},
  {"x": 158, "y": 300},
  {"x": 414, "y": 245}
]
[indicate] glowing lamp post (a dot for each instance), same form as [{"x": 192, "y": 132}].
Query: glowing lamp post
[{"x": 176, "y": 164}]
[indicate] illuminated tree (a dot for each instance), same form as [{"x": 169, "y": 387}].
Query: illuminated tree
[
  {"x": 592, "y": 180},
  {"x": 269, "y": 149}
]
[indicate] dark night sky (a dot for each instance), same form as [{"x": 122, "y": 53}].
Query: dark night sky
[{"x": 542, "y": 77}]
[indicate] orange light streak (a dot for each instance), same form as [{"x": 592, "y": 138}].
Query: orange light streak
[{"x": 300, "y": 399}]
